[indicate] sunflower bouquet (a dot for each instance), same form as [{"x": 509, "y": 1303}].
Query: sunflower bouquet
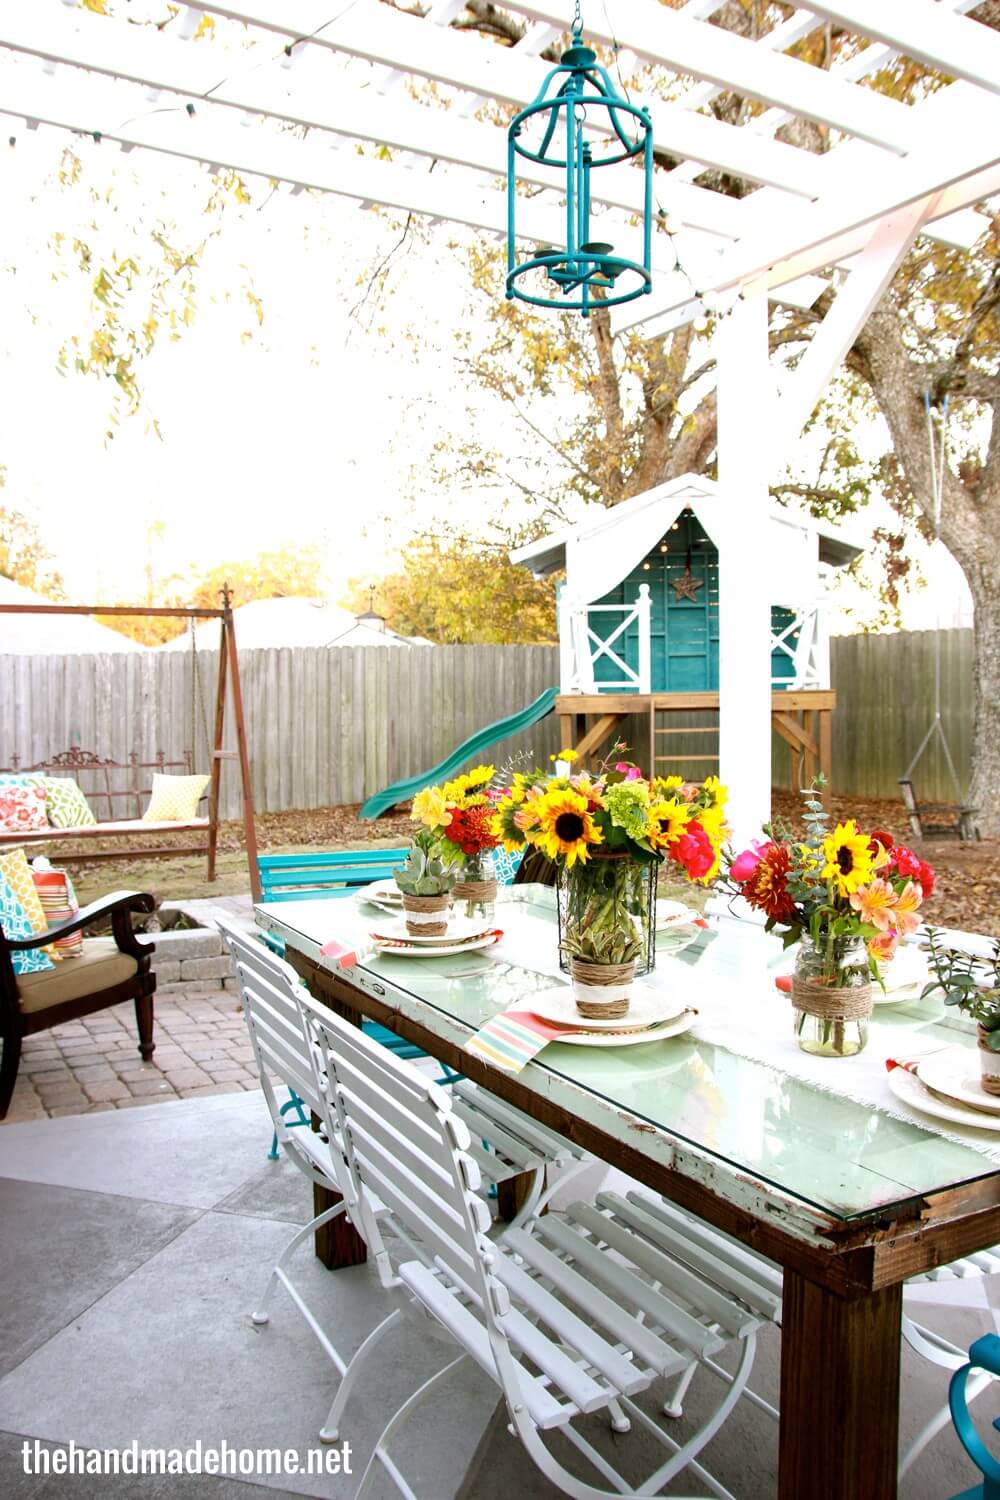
[
  {"x": 847, "y": 897},
  {"x": 608, "y": 832},
  {"x": 457, "y": 827}
]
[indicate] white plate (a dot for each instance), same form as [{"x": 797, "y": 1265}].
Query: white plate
[
  {"x": 911, "y": 1091},
  {"x": 956, "y": 1074},
  {"x": 418, "y": 950},
  {"x": 647, "y": 1008},
  {"x": 672, "y": 939},
  {"x": 385, "y": 893},
  {"x": 460, "y": 930},
  {"x": 908, "y": 971},
  {"x": 672, "y": 914},
  {"x": 680, "y": 1023}
]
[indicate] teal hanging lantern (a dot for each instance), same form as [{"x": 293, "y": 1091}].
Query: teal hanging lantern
[{"x": 576, "y": 125}]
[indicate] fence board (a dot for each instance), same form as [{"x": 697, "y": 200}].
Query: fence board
[{"x": 334, "y": 725}]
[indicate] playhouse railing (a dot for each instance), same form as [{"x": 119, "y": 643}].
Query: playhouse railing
[
  {"x": 581, "y": 647},
  {"x": 806, "y": 641}
]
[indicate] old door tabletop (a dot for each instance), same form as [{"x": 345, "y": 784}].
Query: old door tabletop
[{"x": 835, "y": 1181}]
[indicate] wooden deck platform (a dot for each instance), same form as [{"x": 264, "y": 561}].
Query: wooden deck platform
[{"x": 589, "y": 721}]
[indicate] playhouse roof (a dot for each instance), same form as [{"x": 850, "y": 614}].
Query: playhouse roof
[{"x": 642, "y": 520}]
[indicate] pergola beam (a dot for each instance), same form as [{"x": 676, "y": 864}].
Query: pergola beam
[{"x": 926, "y": 32}]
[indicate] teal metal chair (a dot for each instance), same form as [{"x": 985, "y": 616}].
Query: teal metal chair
[
  {"x": 984, "y": 1356},
  {"x": 331, "y": 875}
]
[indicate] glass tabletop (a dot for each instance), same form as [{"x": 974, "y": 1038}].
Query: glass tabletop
[{"x": 807, "y": 1140}]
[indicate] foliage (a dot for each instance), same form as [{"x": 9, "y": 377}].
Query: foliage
[
  {"x": 24, "y": 557},
  {"x": 287, "y": 572},
  {"x": 464, "y": 591},
  {"x": 972, "y": 984}
]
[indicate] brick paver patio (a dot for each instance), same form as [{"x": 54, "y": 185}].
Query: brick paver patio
[{"x": 85, "y": 1066}]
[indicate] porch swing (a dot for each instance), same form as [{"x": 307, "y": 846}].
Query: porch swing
[
  {"x": 937, "y": 820},
  {"x": 111, "y": 783}
]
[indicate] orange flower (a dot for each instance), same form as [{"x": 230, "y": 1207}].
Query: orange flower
[
  {"x": 908, "y": 903},
  {"x": 875, "y": 903}
]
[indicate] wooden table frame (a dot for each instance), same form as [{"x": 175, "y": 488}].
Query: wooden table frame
[{"x": 840, "y": 1350}]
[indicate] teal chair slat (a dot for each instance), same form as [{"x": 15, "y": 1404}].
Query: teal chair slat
[{"x": 290, "y": 877}]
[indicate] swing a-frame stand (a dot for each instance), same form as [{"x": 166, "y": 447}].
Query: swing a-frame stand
[{"x": 73, "y": 760}]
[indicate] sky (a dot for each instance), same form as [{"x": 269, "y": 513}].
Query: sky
[{"x": 316, "y": 426}]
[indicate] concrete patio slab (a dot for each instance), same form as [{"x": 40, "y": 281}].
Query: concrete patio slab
[
  {"x": 90, "y": 1242},
  {"x": 188, "y": 1152}
]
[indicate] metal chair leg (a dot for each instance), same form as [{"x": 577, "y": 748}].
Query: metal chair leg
[
  {"x": 261, "y": 1313},
  {"x": 380, "y": 1455},
  {"x": 330, "y": 1431}
]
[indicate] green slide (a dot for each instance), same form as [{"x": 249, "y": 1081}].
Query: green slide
[{"x": 402, "y": 791}]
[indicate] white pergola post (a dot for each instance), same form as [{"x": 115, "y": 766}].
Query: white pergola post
[{"x": 745, "y": 413}]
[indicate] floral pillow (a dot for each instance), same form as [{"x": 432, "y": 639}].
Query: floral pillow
[
  {"x": 16, "y": 924},
  {"x": 66, "y": 805},
  {"x": 22, "y": 808}
]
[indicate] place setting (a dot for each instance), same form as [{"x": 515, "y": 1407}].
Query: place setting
[{"x": 947, "y": 1085}]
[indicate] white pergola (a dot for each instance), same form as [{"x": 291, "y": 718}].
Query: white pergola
[{"x": 290, "y": 92}]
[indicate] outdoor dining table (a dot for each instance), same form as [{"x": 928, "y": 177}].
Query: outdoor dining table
[{"x": 850, "y": 1197}]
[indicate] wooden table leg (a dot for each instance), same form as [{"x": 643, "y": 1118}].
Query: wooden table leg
[
  {"x": 337, "y": 1243},
  {"x": 513, "y": 1194},
  {"x": 839, "y": 1393}
]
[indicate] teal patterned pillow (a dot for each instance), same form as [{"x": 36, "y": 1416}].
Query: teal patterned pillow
[
  {"x": 17, "y": 924},
  {"x": 65, "y": 804},
  {"x": 506, "y": 865}
]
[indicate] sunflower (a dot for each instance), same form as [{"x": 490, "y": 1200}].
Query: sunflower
[
  {"x": 664, "y": 785},
  {"x": 565, "y": 827},
  {"x": 718, "y": 793},
  {"x": 667, "y": 821},
  {"x": 849, "y": 860},
  {"x": 468, "y": 790}
]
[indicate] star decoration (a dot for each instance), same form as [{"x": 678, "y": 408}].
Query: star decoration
[{"x": 686, "y": 586}]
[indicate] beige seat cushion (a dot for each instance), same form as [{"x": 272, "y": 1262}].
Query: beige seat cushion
[{"x": 98, "y": 967}]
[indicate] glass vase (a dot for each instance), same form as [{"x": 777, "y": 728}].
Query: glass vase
[
  {"x": 475, "y": 892},
  {"x": 607, "y": 911},
  {"x": 832, "y": 996}
]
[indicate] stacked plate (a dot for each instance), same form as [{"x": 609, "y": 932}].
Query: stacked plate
[
  {"x": 464, "y": 935},
  {"x": 904, "y": 977},
  {"x": 651, "y": 1017},
  {"x": 385, "y": 894},
  {"x": 947, "y": 1085}
]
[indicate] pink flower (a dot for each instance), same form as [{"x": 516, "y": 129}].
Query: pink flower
[
  {"x": 876, "y": 903},
  {"x": 907, "y": 905},
  {"x": 694, "y": 851},
  {"x": 631, "y": 773},
  {"x": 746, "y": 863}
]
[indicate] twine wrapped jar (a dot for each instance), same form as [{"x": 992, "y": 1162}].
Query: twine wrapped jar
[
  {"x": 475, "y": 894},
  {"x": 832, "y": 996},
  {"x": 601, "y": 991},
  {"x": 989, "y": 1063},
  {"x": 426, "y": 916}
]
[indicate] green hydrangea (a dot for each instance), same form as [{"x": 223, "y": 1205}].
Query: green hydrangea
[{"x": 627, "y": 803}]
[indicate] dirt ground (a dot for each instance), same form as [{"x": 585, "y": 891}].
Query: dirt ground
[{"x": 967, "y": 895}]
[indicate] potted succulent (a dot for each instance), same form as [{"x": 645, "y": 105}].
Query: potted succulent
[
  {"x": 425, "y": 881},
  {"x": 971, "y": 984}
]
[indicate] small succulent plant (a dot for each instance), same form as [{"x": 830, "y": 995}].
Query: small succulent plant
[
  {"x": 425, "y": 873},
  {"x": 969, "y": 982}
]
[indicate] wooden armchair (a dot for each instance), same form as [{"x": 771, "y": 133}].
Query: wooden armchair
[{"x": 109, "y": 970}]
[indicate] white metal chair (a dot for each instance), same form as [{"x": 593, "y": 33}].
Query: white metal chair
[
  {"x": 577, "y": 1316},
  {"x": 508, "y": 1144}
]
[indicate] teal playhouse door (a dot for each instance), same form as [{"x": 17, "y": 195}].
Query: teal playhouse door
[{"x": 683, "y": 577}]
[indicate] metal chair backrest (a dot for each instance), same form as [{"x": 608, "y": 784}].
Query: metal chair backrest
[
  {"x": 271, "y": 993},
  {"x": 405, "y": 1148}
]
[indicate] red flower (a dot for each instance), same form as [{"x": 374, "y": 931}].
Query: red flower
[
  {"x": 469, "y": 828},
  {"x": 767, "y": 888},
  {"x": 907, "y": 863},
  {"x": 926, "y": 878},
  {"x": 879, "y": 836},
  {"x": 694, "y": 850}
]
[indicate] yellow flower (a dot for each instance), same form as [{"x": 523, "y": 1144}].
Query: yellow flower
[
  {"x": 849, "y": 861},
  {"x": 667, "y": 820},
  {"x": 717, "y": 792},
  {"x": 466, "y": 790},
  {"x": 713, "y": 820},
  {"x": 430, "y": 807},
  {"x": 567, "y": 755},
  {"x": 664, "y": 785},
  {"x": 565, "y": 827}
]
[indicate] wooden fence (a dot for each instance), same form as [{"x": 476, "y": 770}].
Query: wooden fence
[
  {"x": 324, "y": 726},
  {"x": 333, "y": 726}
]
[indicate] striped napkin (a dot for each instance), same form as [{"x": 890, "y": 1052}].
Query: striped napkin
[{"x": 511, "y": 1039}]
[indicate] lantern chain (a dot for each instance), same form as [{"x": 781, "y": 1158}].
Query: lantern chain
[{"x": 577, "y": 21}]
